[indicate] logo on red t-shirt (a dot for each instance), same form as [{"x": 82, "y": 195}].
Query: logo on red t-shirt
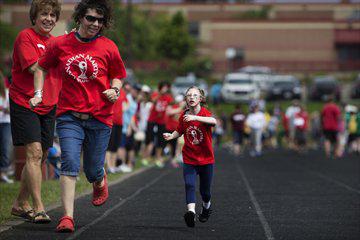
[
  {"x": 194, "y": 135},
  {"x": 82, "y": 68}
]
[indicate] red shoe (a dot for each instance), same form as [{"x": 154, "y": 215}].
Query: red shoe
[
  {"x": 66, "y": 224},
  {"x": 100, "y": 194}
]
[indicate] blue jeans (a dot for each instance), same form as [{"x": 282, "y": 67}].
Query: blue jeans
[
  {"x": 205, "y": 173},
  {"x": 5, "y": 146},
  {"x": 91, "y": 136}
]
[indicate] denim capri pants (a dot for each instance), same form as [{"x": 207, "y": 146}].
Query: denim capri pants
[{"x": 90, "y": 136}]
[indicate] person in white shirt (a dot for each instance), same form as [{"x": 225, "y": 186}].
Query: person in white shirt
[{"x": 256, "y": 122}]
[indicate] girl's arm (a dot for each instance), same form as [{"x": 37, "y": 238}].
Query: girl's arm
[
  {"x": 207, "y": 120},
  {"x": 170, "y": 136}
]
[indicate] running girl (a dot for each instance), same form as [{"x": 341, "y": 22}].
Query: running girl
[{"x": 198, "y": 155}]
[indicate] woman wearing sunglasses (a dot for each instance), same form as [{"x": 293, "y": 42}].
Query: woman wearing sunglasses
[{"x": 92, "y": 70}]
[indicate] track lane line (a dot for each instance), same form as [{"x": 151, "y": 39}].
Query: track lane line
[
  {"x": 264, "y": 223},
  {"x": 110, "y": 210}
]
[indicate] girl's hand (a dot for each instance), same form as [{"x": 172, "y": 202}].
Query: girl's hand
[
  {"x": 167, "y": 136},
  {"x": 188, "y": 118}
]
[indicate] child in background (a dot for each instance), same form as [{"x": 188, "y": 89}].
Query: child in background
[{"x": 198, "y": 155}]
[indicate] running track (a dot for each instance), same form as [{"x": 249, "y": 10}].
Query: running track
[{"x": 281, "y": 195}]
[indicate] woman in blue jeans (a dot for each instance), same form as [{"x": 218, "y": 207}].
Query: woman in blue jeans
[{"x": 92, "y": 70}]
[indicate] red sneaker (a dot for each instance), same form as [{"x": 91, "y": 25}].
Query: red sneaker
[
  {"x": 100, "y": 194},
  {"x": 66, "y": 224}
]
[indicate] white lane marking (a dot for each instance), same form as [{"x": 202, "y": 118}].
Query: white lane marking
[
  {"x": 331, "y": 180},
  {"x": 110, "y": 210},
  {"x": 264, "y": 223}
]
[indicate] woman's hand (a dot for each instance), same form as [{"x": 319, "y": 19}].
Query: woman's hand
[
  {"x": 111, "y": 94},
  {"x": 35, "y": 101}
]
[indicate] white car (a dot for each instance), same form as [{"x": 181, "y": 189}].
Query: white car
[{"x": 239, "y": 87}]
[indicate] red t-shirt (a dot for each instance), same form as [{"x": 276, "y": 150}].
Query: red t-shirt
[
  {"x": 197, "y": 149},
  {"x": 301, "y": 120},
  {"x": 158, "y": 110},
  {"x": 171, "y": 122},
  {"x": 118, "y": 109},
  {"x": 28, "y": 48},
  {"x": 330, "y": 115},
  {"x": 87, "y": 71}
]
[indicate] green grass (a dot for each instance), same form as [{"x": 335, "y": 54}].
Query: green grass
[{"x": 50, "y": 192}]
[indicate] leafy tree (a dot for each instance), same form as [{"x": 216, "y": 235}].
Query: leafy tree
[{"x": 174, "y": 42}]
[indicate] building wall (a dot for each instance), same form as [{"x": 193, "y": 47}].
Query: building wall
[{"x": 300, "y": 37}]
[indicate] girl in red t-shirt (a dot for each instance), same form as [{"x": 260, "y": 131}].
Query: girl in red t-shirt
[{"x": 198, "y": 155}]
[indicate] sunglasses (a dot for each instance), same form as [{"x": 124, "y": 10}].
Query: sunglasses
[{"x": 93, "y": 19}]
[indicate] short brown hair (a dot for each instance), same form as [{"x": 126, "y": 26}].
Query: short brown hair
[
  {"x": 102, "y": 7},
  {"x": 38, "y": 5}
]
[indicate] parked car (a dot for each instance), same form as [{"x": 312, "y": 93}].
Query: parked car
[
  {"x": 239, "y": 87},
  {"x": 323, "y": 87},
  {"x": 284, "y": 87},
  {"x": 255, "y": 70},
  {"x": 355, "y": 88},
  {"x": 182, "y": 83}
]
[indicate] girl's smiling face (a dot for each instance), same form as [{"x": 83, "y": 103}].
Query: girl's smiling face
[{"x": 193, "y": 97}]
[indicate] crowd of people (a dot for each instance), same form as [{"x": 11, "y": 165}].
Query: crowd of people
[{"x": 335, "y": 129}]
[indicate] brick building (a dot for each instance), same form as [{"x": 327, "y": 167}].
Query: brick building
[{"x": 291, "y": 37}]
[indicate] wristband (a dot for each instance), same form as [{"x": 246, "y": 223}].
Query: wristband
[
  {"x": 117, "y": 91},
  {"x": 38, "y": 93}
]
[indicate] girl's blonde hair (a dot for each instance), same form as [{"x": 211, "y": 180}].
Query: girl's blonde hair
[{"x": 202, "y": 94}]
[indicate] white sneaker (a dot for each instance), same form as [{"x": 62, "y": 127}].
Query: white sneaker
[
  {"x": 125, "y": 168},
  {"x": 5, "y": 179},
  {"x": 111, "y": 170}
]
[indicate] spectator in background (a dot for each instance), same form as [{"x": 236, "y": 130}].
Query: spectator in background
[
  {"x": 127, "y": 148},
  {"x": 352, "y": 121},
  {"x": 315, "y": 124},
  {"x": 172, "y": 121},
  {"x": 330, "y": 117},
  {"x": 301, "y": 122},
  {"x": 5, "y": 131},
  {"x": 113, "y": 152},
  {"x": 33, "y": 127},
  {"x": 256, "y": 122},
  {"x": 237, "y": 119},
  {"x": 156, "y": 123},
  {"x": 272, "y": 128},
  {"x": 290, "y": 113},
  {"x": 143, "y": 113}
]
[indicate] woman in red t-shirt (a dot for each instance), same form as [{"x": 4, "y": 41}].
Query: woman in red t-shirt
[
  {"x": 198, "y": 155},
  {"x": 92, "y": 70},
  {"x": 33, "y": 128}
]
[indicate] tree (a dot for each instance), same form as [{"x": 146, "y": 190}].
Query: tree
[{"x": 175, "y": 42}]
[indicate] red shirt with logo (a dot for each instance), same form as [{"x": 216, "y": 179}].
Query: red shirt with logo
[
  {"x": 330, "y": 115},
  {"x": 158, "y": 110},
  {"x": 118, "y": 108},
  {"x": 301, "y": 120},
  {"x": 197, "y": 149},
  {"x": 28, "y": 48},
  {"x": 87, "y": 69}
]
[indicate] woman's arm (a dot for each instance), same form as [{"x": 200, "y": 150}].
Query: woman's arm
[
  {"x": 113, "y": 93},
  {"x": 39, "y": 78},
  {"x": 207, "y": 120}
]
